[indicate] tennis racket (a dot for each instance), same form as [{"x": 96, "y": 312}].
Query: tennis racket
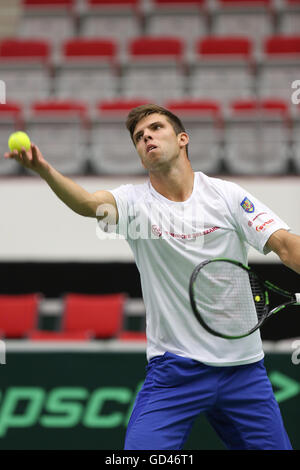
[{"x": 230, "y": 300}]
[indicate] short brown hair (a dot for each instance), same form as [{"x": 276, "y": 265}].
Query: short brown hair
[{"x": 138, "y": 113}]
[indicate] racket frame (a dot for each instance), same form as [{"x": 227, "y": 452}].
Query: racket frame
[{"x": 265, "y": 285}]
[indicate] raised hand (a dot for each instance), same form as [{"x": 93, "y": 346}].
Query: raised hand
[{"x": 31, "y": 159}]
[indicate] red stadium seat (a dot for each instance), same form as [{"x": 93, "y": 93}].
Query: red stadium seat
[
  {"x": 25, "y": 65},
  {"x": 252, "y": 18},
  {"x": 257, "y": 136},
  {"x": 43, "y": 335},
  {"x": 154, "y": 48},
  {"x": 66, "y": 120},
  {"x": 18, "y": 314},
  {"x": 223, "y": 69},
  {"x": 111, "y": 155},
  {"x": 155, "y": 69},
  {"x": 203, "y": 122},
  {"x": 260, "y": 107},
  {"x": 282, "y": 47},
  {"x": 280, "y": 66},
  {"x": 118, "y": 19},
  {"x": 187, "y": 19},
  {"x": 89, "y": 69},
  {"x": 100, "y": 314},
  {"x": 58, "y": 4},
  {"x": 113, "y": 3},
  {"x": 52, "y": 20},
  {"x": 118, "y": 107},
  {"x": 229, "y": 47},
  {"x": 90, "y": 49},
  {"x": 247, "y": 4},
  {"x": 24, "y": 50},
  {"x": 59, "y": 108}
]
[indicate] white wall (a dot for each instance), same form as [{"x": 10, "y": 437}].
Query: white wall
[{"x": 36, "y": 226}]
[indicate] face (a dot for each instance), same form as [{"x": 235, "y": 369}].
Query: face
[{"x": 157, "y": 143}]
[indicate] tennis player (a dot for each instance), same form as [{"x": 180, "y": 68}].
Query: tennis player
[{"x": 189, "y": 217}]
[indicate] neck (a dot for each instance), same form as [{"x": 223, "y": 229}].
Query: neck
[{"x": 176, "y": 184}]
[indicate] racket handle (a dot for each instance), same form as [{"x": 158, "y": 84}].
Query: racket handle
[{"x": 297, "y": 298}]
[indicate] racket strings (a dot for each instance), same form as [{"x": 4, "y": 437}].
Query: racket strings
[{"x": 229, "y": 299}]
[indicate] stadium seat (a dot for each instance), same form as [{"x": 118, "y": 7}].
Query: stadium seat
[
  {"x": 252, "y": 18},
  {"x": 188, "y": 19},
  {"x": 118, "y": 19},
  {"x": 59, "y": 128},
  {"x": 257, "y": 136},
  {"x": 280, "y": 67},
  {"x": 100, "y": 314},
  {"x": 155, "y": 69},
  {"x": 49, "y": 5},
  {"x": 18, "y": 315},
  {"x": 25, "y": 66},
  {"x": 11, "y": 120},
  {"x": 223, "y": 69},
  {"x": 51, "y": 20},
  {"x": 89, "y": 70},
  {"x": 203, "y": 123},
  {"x": 289, "y": 17},
  {"x": 43, "y": 335},
  {"x": 112, "y": 151}
]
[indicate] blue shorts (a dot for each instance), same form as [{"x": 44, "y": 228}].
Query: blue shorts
[{"x": 238, "y": 402}]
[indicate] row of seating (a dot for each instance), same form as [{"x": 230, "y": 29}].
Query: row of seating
[
  {"x": 248, "y": 137},
  {"x": 225, "y": 69},
  {"x": 123, "y": 20},
  {"x": 84, "y": 317},
  {"x": 106, "y": 47}
]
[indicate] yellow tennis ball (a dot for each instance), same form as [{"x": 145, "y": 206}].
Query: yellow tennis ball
[
  {"x": 257, "y": 298},
  {"x": 17, "y": 140}
]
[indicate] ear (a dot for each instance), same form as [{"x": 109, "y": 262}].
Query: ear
[{"x": 183, "y": 139}]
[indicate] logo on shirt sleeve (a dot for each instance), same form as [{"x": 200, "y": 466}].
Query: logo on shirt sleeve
[{"x": 247, "y": 205}]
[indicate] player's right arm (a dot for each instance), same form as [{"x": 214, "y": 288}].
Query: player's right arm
[{"x": 99, "y": 204}]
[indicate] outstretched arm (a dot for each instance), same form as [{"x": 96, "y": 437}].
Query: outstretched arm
[
  {"x": 287, "y": 246},
  {"x": 72, "y": 194}
]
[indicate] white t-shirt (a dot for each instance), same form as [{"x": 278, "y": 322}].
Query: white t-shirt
[{"x": 168, "y": 239}]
